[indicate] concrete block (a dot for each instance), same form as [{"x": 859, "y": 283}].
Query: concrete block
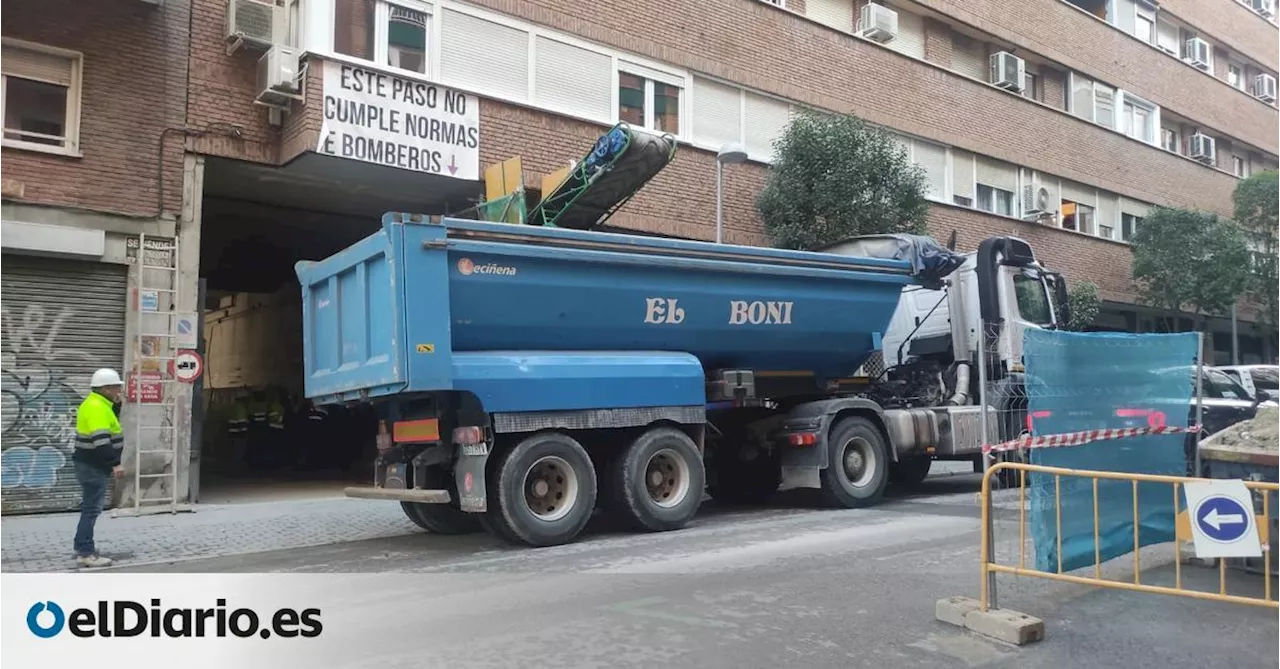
[
  {"x": 952, "y": 610},
  {"x": 1005, "y": 625}
]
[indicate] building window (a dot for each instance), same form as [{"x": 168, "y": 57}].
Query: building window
[
  {"x": 40, "y": 95},
  {"x": 1169, "y": 140},
  {"x": 1144, "y": 27},
  {"x": 1235, "y": 75},
  {"x": 394, "y": 33},
  {"x": 962, "y": 200},
  {"x": 649, "y": 104},
  {"x": 1138, "y": 119},
  {"x": 995, "y": 200},
  {"x": 1076, "y": 216},
  {"x": 1129, "y": 225},
  {"x": 1239, "y": 166},
  {"x": 1031, "y": 86}
]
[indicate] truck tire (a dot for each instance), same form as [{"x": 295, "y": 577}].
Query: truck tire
[
  {"x": 656, "y": 483},
  {"x": 910, "y": 471},
  {"x": 545, "y": 493},
  {"x": 441, "y": 518},
  {"x": 859, "y": 464},
  {"x": 746, "y": 481}
]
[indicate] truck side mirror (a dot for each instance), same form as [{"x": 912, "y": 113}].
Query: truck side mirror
[{"x": 1061, "y": 298}]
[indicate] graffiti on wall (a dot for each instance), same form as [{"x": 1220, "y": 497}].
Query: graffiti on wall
[{"x": 38, "y": 417}]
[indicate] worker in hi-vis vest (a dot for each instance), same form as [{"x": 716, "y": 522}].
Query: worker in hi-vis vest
[{"x": 99, "y": 443}]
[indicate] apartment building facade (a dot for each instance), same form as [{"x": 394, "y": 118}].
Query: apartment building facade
[{"x": 240, "y": 136}]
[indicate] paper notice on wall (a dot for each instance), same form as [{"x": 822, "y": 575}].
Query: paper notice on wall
[{"x": 379, "y": 118}]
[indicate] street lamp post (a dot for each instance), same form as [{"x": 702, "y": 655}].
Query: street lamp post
[{"x": 729, "y": 153}]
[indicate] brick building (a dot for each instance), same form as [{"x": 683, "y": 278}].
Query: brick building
[{"x": 192, "y": 130}]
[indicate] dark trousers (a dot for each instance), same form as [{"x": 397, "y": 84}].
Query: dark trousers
[{"x": 93, "y": 487}]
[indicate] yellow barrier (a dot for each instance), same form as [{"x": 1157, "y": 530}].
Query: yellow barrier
[{"x": 989, "y": 567}]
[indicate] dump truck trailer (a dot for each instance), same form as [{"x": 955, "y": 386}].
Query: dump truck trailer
[{"x": 525, "y": 376}]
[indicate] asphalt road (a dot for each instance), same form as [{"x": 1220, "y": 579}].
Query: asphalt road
[{"x": 780, "y": 586}]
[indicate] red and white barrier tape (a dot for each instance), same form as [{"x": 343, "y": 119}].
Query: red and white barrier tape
[{"x": 1084, "y": 437}]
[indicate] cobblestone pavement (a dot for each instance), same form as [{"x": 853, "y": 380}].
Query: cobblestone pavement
[{"x": 42, "y": 543}]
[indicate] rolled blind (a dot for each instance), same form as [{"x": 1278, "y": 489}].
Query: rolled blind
[
  {"x": 933, "y": 159},
  {"x": 766, "y": 119},
  {"x": 1134, "y": 207},
  {"x": 573, "y": 79},
  {"x": 484, "y": 55},
  {"x": 17, "y": 61},
  {"x": 1079, "y": 193},
  {"x": 910, "y": 38},
  {"x": 1107, "y": 215},
  {"x": 717, "y": 112},
  {"x": 997, "y": 174},
  {"x": 962, "y": 173}
]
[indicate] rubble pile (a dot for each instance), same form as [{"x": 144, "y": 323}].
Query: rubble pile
[{"x": 1262, "y": 433}]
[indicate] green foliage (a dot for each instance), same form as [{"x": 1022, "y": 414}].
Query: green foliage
[
  {"x": 1256, "y": 202},
  {"x": 833, "y": 177},
  {"x": 1190, "y": 261},
  {"x": 1084, "y": 305}
]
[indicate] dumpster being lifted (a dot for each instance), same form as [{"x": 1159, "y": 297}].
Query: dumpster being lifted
[{"x": 525, "y": 374}]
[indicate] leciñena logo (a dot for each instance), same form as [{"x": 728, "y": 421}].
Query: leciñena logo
[{"x": 125, "y": 618}]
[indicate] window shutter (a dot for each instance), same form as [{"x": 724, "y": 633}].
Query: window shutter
[
  {"x": 1079, "y": 193},
  {"x": 1104, "y": 99},
  {"x": 997, "y": 174},
  {"x": 1107, "y": 214},
  {"x": 483, "y": 55},
  {"x": 1081, "y": 97},
  {"x": 933, "y": 159},
  {"x": 717, "y": 112},
  {"x": 968, "y": 56},
  {"x": 962, "y": 173},
  {"x": 1134, "y": 208},
  {"x": 39, "y": 65},
  {"x": 573, "y": 79},
  {"x": 910, "y": 38},
  {"x": 837, "y": 14},
  {"x": 766, "y": 119}
]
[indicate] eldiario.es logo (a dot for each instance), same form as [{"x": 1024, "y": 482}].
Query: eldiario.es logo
[{"x": 125, "y": 618}]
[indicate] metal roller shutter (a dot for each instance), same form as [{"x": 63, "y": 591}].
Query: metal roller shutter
[{"x": 61, "y": 320}]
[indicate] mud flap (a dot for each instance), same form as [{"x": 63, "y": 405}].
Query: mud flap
[{"x": 472, "y": 494}]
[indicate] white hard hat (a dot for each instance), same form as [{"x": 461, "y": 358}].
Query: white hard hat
[{"x": 105, "y": 377}]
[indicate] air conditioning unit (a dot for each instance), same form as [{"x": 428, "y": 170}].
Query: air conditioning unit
[
  {"x": 1035, "y": 201},
  {"x": 278, "y": 80},
  {"x": 255, "y": 23},
  {"x": 1198, "y": 53},
  {"x": 1266, "y": 8},
  {"x": 878, "y": 23},
  {"x": 1203, "y": 148},
  {"x": 1008, "y": 71},
  {"x": 1264, "y": 87}
]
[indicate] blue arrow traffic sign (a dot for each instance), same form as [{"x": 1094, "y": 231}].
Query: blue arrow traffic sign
[{"x": 1222, "y": 519}]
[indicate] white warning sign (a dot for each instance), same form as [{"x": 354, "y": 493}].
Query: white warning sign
[{"x": 379, "y": 118}]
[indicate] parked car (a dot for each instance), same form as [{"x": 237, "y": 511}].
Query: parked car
[{"x": 1261, "y": 381}]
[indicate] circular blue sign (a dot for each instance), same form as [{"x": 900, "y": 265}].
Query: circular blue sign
[{"x": 1222, "y": 519}]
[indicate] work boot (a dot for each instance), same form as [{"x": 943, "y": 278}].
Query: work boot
[{"x": 90, "y": 561}]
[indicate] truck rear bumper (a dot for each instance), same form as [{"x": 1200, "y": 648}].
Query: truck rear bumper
[{"x": 398, "y": 494}]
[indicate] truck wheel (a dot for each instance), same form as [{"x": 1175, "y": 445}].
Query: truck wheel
[
  {"x": 910, "y": 471},
  {"x": 546, "y": 491},
  {"x": 859, "y": 465},
  {"x": 440, "y": 518},
  {"x": 746, "y": 481},
  {"x": 657, "y": 482}
]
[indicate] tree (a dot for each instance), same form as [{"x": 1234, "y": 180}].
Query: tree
[
  {"x": 833, "y": 177},
  {"x": 1256, "y": 205},
  {"x": 1084, "y": 305},
  {"x": 1190, "y": 261}
]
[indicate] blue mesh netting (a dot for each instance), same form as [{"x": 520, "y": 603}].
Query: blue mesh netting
[{"x": 1087, "y": 381}]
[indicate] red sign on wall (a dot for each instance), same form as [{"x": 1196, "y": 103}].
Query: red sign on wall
[{"x": 145, "y": 388}]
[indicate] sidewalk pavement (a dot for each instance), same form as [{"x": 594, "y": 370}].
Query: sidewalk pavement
[{"x": 42, "y": 543}]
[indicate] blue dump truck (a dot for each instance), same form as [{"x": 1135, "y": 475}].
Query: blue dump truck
[{"x": 526, "y": 375}]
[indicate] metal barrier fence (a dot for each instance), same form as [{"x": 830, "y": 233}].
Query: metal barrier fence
[{"x": 1175, "y": 485}]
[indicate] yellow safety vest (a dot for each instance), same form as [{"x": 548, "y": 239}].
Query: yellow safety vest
[{"x": 99, "y": 439}]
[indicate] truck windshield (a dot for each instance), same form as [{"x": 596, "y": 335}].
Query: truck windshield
[{"x": 1033, "y": 301}]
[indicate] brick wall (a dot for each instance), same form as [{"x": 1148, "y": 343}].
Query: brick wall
[
  {"x": 1055, "y": 87},
  {"x": 222, "y": 90},
  {"x": 133, "y": 88},
  {"x": 937, "y": 42},
  {"x": 1120, "y": 60},
  {"x": 912, "y": 96},
  {"x": 1228, "y": 22}
]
